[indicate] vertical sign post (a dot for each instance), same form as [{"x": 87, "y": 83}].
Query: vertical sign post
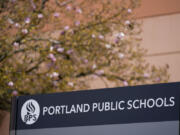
[{"x": 138, "y": 110}]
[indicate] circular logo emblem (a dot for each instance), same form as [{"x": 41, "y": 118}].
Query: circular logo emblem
[{"x": 30, "y": 112}]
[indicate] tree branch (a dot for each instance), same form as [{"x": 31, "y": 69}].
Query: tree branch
[
  {"x": 64, "y": 3},
  {"x": 43, "y": 3},
  {"x": 34, "y": 67},
  {"x": 45, "y": 40},
  {"x": 100, "y": 22}
]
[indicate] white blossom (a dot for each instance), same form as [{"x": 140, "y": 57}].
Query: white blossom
[
  {"x": 24, "y": 31},
  {"x": 52, "y": 57},
  {"x": 100, "y": 72},
  {"x": 69, "y": 8},
  {"x": 17, "y": 25},
  {"x": 51, "y": 48},
  {"x": 66, "y": 28},
  {"x": 121, "y": 55},
  {"x": 93, "y": 35},
  {"x": 120, "y": 35},
  {"x": 94, "y": 66},
  {"x": 101, "y": 37},
  {"x": 14, "y": 93},
  {"x": 40, "y": 16},
  {"x": 125, "y": 83},
  {"x": 77, "y": 23},
  {"x": 71, "y": 84},
  {"x": 33, "y": 4},
  {"x": 69, "y": 51},
  {"x": 54, "y": 75},
  {"x": 27, "y": 20},
  {"x": 127, "y": 22},
  {"x": 56, "y": 14},
  {"x": 86, "y": 61},
  {"x": 108, "y": 46},
  {"x": 16, "y": 44},
  {"x": 10, "y": 21},
  {"x": 10, "y": 84},
  {"x": 60, "y": 50},
  {"x": 146, "y": 75},
  {"x": 79, "y": 11},
  {"x": 129, "y": 10}
]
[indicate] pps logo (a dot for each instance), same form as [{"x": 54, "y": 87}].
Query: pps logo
[{"x": 30, "y": 112}]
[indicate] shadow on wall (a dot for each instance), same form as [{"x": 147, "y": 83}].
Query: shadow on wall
[{"x": 4, "y": 123}]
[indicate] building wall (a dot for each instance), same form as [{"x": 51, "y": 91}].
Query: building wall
[
  {"x": 161, "y": 30},
  {"x": 161, "y": 37},
  {"x": 150, "y": 8}
]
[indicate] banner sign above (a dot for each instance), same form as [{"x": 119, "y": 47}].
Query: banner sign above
[{"x": 95, "y": 112}]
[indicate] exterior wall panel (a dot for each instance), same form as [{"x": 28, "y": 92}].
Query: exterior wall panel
[{"x": 151, "y": 8}]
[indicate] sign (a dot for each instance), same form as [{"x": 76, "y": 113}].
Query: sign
[{"x": 138, "y": 110}]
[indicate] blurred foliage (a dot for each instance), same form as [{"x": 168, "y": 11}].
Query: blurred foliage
[{"x": 59, "y": 45}]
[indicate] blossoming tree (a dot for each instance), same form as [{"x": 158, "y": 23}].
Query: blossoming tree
[{"x": 57, "y": 45}]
